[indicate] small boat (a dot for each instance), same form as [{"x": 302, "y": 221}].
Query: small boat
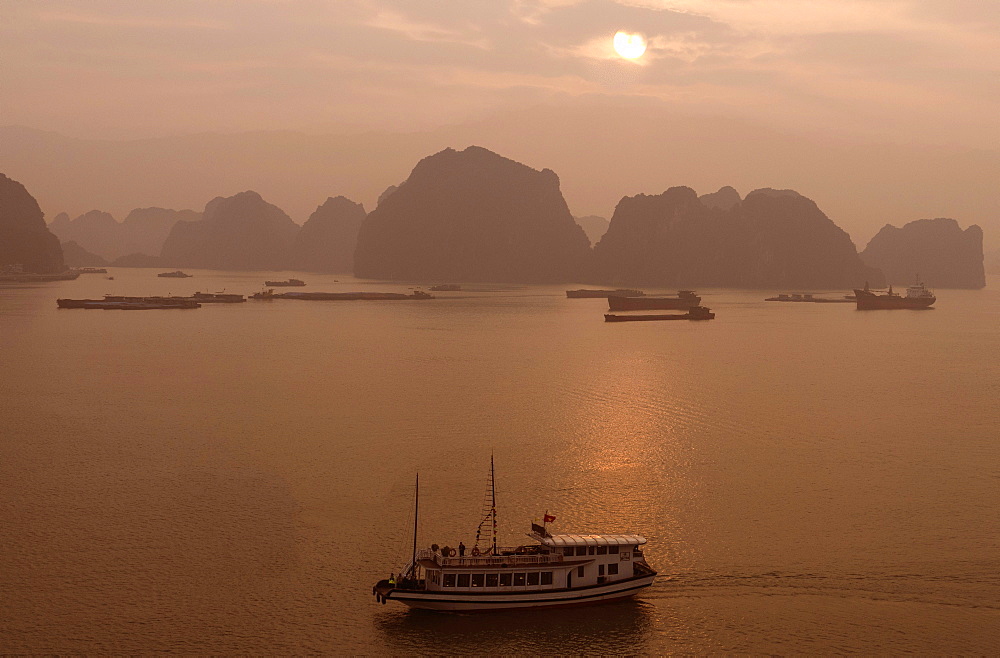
[
  {"x": 694, "y": 313},
  {"x": 684, "y": 299},
  {"x": 620, "y": 292},
  {"x": 917, "y": 297},
  {"x": 176, "y": 274},
  {"x": 552, "y": 571},
  {"x": 446, "y": 287},
  {"x": 285, "y": 284}
]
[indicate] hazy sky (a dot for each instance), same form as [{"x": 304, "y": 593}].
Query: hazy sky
[{"x": 901, "y": 70}]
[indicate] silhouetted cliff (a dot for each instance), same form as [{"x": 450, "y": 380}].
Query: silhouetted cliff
[
  {"x": 25, "y": 240},
  {"x": 241, "y": 232},
  {"x": 726, "y": 198},
  {"x": 472, "y": 215},
  {"x": 937, "y": 250},
  {"x": 327, "y": 240},
  {"x": 595, "y": 227},
  {"x": 76, "y": 256},
  {"x": 775, "y": 239},
  {"x": 143, "y": 231}
]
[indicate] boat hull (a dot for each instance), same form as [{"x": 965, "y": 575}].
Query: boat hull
[{"x": 488, "y": 601}]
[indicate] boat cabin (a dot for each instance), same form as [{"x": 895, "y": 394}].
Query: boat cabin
[{"x": 556, "y": 562}]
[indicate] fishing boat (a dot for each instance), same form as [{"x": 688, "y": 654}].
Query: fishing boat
[{"x": 553, "y": 570}]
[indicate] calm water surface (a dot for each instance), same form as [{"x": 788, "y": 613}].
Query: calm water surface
[{"x": 811, "y": 478}]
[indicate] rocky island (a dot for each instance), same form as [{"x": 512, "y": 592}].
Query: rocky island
[
  {"x": 936, "y": 250},
  {"x": 25, "y": 241},
  {"x": 241, "y": 232},
  {"x": 472, "y": 215},
  {"x": 770, "y": 239},
  {"x": 327, "y": 240}
]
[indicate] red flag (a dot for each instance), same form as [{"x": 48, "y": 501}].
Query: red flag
[{"x": 548, "y": 518}]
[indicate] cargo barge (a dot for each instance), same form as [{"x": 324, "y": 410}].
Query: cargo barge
[
  {"x": 694, "y": 313},
  {"x": 683, "y": 300},
  {"x": 620, "y": 292}
]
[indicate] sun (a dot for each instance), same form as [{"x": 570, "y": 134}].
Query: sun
[{"x": 629, "y": 46}]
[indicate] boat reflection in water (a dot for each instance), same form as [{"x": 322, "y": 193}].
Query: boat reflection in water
[{"x": 555, "y": 571}]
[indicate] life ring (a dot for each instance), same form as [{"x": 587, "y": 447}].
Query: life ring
[
  {"x": 452, "y": 552},
  {"x": 475, "y": 551}
]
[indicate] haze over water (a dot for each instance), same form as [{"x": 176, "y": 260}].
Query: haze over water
[{"x": 811, "y": 479}]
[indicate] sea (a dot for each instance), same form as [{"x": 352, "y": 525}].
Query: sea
[{"x": 233, "y": 479}]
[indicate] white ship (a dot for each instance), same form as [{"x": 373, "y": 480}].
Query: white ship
[{"x": 551, "y": 571}]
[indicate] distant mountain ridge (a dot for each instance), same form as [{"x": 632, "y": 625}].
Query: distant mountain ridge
[{"x": 143, "y": 231}]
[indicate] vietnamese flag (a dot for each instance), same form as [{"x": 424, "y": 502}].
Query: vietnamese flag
[{"x": 548, "y": 518}]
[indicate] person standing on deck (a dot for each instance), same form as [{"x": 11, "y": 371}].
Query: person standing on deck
[{"x": 461, "y": 549}]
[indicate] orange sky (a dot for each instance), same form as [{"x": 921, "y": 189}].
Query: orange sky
[{"x": 906, "y": 73}]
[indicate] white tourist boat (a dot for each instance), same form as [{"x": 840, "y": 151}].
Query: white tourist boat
[{"x": 551, "y": 571}]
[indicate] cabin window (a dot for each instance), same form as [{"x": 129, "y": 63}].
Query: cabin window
[
  {"x": 449, "y": 580},
  {"x": 491, "y": 580},
  {"x": 569, "y": 550},
  {"x": 505, "y": 579},
  {"x": 590, "y": 550},
  {"x": 613, "y": 549},
  {"x": 612, "y": 569},
  {"x": 463, "y": 580},
  {"x": 600, "y": 570},
  {"x": 546, "y": 577},
  {"x": 602, "y": 550},
  {"x": 581, "y": 550},
  {"x": 579, "y": 572},
  {"x": 478, "y": 579},
  {"x": 533, "y": 578},
  {"x": 518, "y": 580}
]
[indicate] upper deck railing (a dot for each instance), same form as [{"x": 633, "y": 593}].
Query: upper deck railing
[{"x": 501, "y": 560}]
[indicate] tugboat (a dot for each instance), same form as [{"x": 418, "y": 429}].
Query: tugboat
[
  {"x": 917, "y": 297},
  {"x": 552, "y": 571}
]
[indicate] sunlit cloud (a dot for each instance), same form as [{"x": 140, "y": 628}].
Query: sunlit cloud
[{"x": 424, "y": 31}]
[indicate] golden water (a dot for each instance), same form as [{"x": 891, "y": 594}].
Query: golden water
[{"x": 812, "y": 479}]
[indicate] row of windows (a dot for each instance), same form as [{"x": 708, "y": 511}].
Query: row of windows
[
  {"x": 593, "y": 550},
  {"x": 530, "y": 579}
]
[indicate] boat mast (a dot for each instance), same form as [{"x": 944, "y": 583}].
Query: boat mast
[
  {"x": 493, "y": 503},
  {"x": 416, "y": 511}
]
